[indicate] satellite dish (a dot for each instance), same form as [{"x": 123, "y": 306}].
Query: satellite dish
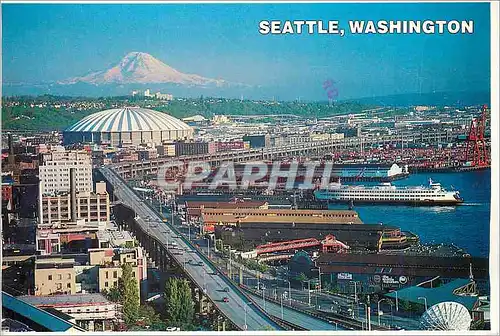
[{"x": 446, "y": 316}]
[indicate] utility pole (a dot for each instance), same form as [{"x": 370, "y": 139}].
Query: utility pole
[
  {"x": 309, "y": 291},
  {"x": 368, "y": 312}
]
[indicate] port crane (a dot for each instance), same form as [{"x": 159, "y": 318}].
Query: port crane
[{"x": 476, "y": 152}]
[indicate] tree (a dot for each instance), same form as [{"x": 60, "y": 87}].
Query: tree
[
  {"x": 172, "y": 301},
  {"x": 179, "y": 303},
  {"x": 186, "y": 313},
  {"x": 150, "y": 319},
  {"x": 129, "y": 293},
  {"x": 113, "y": 294}
]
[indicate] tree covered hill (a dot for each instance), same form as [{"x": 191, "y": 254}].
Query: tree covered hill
[{"x": 57, "y": 113}]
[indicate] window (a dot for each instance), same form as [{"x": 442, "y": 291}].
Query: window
[
  {"x": 50, "y": 277},
  {"x": 68, "y": 285},
  {"x": 107, "y": 275},
  {"x": 115, "y": 274},
  {"x": 69, "y": 276},
  {"x": 59, "y": 286},
  {"x": 106, "y": 284},
  {"x": 59, "y": 277}
]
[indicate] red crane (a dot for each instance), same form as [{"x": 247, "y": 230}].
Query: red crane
[{"x": 476, "y": 152}]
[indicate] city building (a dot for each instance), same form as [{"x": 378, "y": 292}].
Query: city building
[
  {"x": 54, "y": 171},
  {"x": 196, "y": 119},
  {"x": 225, "y": 146},
  {"x": 366, "y": 237},
  {"x": 55, "y": 275},
  {"x": 127, "y": 126},
  {"x": 163, "y": 96},
  {"x": 92, "y": 312},
  {"x": 89, "y": 206},
  {"x": 20, "y": 316},
  {"x": 7, "y": 200},
  {"x": 194, "y": 208},
  {"x": 220, "y": 119},
  {"x": 213, "y": 217},
  {"x": 147, "y": 154},
  {"x": 382, "y": 272},
  {"x": 194, "y": 148},
  {"x": 114, "y": 238},
  {"x": 110, "y": 261},
  {"x": 258, "y": 141}
]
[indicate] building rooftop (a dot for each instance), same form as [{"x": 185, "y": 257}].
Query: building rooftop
[
  {"x": 128, "y": 119},
  {"x": 37, "y": 315},
  {"x": 55, "y": 260},
  {"x": 444, "y": 293},
  {"x": 224, "y": 205},
  {"x": 66, "y": 300}
]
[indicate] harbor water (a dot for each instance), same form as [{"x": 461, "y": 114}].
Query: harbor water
[{"x": 466, "y": 225}]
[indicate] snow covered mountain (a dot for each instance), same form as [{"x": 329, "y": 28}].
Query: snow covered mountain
[{"x": 142, "y": 68}]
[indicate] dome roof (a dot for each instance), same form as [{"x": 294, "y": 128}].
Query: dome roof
[{"x": 128, "y": 119}]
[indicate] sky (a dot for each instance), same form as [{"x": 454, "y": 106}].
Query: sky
[{"x": 51, "y": 42}]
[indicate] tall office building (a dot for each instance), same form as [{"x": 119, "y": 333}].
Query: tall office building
[{"x": 54, "y": 171}]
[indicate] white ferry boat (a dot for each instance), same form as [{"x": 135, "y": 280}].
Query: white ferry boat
[{"x": 389, "y": 194}]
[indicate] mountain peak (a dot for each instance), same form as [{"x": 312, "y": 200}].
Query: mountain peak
[{"x": 142, "y": 68}]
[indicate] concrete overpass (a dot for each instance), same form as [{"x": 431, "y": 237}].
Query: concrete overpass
[{"x": 165, "y": 245}]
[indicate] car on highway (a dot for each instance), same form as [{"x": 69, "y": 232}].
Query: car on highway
[
  {"x": 226, "y": 289},
  {"x": 225, "y": 299},
  {"x": 171, "y": 329},
  {"x": 199, "y": 263}
]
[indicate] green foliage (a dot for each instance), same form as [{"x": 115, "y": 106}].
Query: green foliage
[
  {"x": 148, "y": 317},
  {"x": 405, "y": 305},
  {"x": 179, "y": 303},
  {"x": 252, "y": 264},
  {"x": 172, "y": 301},
  {"x": 186, "y": 313},
  {"x": 129, "y": 244},
  {"x": 302, "y": 278},
  {"x": 113, "y": 294},
  {"x": 57, "y": 113},
  {"x": 129, "y": 292},
  {"x": 335, "y": 290}
]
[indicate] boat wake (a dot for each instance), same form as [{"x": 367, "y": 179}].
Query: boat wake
[
  {"x": 443, "y": 209},
  {"x": 471, "y": 204}
]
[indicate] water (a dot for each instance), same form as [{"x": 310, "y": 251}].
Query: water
[{"x": 466, "y": 225}]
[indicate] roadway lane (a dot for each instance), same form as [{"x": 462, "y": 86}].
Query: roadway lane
[
  {"x": 203, "y": 275},
  {"x": 295, "y": 317}
]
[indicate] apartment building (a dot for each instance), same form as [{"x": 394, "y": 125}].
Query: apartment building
[
  {"x": 91, "y": 207},
  {"x": 54, "y": 170},
  {"x": 55, "y": 275}
]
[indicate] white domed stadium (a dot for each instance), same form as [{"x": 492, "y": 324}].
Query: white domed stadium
[{"x": 127, "y": 126}]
